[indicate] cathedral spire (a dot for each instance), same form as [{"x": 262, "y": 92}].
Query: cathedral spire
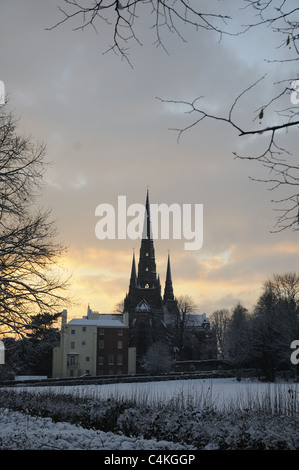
[
  {"x": 133, "y": 272},
  {"x": 147, "y": 228},
  {"x": 147, "y": 276},
  {"x": 168, "y": 291}
]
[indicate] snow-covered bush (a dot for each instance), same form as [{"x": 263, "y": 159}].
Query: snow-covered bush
[{"x": 265, "y": 422}]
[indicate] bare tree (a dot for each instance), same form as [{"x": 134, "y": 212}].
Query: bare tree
[
  {"x": 280, "y": 17},
  {"x": 29, "y": 279},
  {"x": 158, "y": 359},
  {"x": 182, "y": 321},
  {"x": 123, "y": 18},
  {"x": 275, "y": 323},
  {"x": 220, "y": 321},
  {"x": 281, "y": 111},
  {"x": 238, "y": 337}
]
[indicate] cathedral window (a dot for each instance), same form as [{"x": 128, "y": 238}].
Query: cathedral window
[{"x": 111, "y": 359}]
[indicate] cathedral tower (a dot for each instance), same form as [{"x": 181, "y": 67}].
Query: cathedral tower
[{"x": 144, "y": 302}]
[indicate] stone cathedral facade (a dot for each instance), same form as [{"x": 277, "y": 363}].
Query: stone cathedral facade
[{"x": 151, "y": 315}]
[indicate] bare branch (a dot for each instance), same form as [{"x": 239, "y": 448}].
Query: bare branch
[{"x": 121, "y": 17}]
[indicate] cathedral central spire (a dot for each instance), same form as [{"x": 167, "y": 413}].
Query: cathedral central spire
[
  {"x": 147, "y": 227},
  {"x": 147, "y": 276}
]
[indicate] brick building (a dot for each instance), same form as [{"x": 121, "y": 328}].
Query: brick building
[{"x": 96, "y": 344}]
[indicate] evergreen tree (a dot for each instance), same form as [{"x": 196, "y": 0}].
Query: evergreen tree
[{"x": 238, "y": 336}]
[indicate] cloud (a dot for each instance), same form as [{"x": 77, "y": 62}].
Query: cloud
[{"x": 108, "y": 135}]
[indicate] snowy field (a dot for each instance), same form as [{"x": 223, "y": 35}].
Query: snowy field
[
  {"x": 21, "y": 431},
  {"x": 219, "y": 393}
]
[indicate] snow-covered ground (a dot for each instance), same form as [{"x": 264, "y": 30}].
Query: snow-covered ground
[
  {"x": 22, "y": 431},
  {"x": 19, "y": 431}
]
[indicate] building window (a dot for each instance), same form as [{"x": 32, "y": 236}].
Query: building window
[
  {"x": 83, "y": 328},
  {"x": 111, "y": 359},
  {"x": 72, "y": 360},
  {"x": 119, "y": 344},
  {"x": 72, "y": 344},
  {"x": 101, "y": 344},
  {"x": 72, "y": 332},
  {"x": 101, "y": 360},
  {"x": 120, "y": 332},
  {"x": 101, "y": 331},
  {"x": 119, "y": 359},
  {"x": 83, "y": 343},
  {"x": 87, "y": 358}
]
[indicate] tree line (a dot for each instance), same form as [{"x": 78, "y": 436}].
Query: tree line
[{"x": 261, "y": 339}]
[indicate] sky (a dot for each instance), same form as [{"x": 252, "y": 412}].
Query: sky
[{"x": 108, "y": 135}]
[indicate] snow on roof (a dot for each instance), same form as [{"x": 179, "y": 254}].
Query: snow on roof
[
  {"x": 143, "y": 306},
  {"x": 101, "y": 322},
  {"x": 198, "y": 319}
]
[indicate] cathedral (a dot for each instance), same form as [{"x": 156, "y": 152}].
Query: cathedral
[
  {"x": 151, "y": 316},
  {"x": 115, "y": 344}
]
